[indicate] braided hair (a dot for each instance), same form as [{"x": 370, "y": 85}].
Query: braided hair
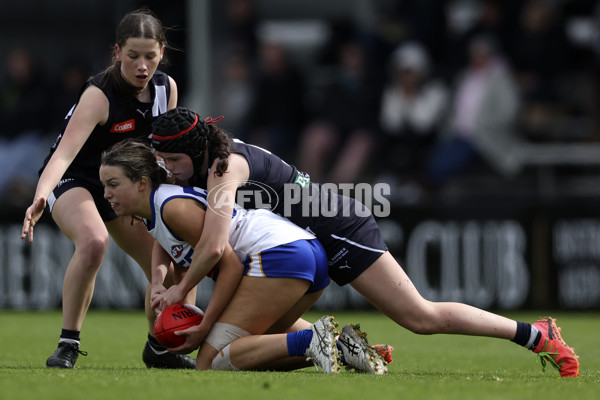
[{"x": 181, "y": 130}]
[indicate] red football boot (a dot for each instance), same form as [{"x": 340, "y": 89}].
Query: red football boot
[{"x": 552, "y": 348}]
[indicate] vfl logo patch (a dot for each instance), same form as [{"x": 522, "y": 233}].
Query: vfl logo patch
[
  {"x": 176, "y": 251},
  {"x": 122, "y": 127},
  {"x": 302, "y": 179}
]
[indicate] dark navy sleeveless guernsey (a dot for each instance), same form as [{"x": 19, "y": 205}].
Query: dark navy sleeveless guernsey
[
  {"x": 352, "y": 242},
  {"x": 269, "y": 170},
  {"x": 127, "y": 118}
]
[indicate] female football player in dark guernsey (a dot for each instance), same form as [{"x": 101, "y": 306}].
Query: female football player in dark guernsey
[
  {"x": 119, "y": 103},
  {"x": 198, "y": 152}
]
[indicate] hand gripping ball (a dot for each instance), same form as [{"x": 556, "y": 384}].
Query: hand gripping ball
[{"x": 176, "y": 317}]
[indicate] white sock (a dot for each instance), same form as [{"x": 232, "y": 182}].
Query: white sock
[
  {"x": 158, "y": 351},
  {"x": 532, "y": 337},
  {"x": 63, "y": 340}
]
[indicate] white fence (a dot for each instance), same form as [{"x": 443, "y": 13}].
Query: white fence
[
  {"x": 31, "y": 276},
  {"x": 489, "y": 263}
]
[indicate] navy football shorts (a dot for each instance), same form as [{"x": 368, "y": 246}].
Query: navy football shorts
[
  {"x": 351, "y": 237},
  {"x": 77, "y": 178}
]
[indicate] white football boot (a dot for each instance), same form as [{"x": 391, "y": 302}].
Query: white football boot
[
  {"x": 322, "y": 350},
  {"x": 358, "y": 353}
]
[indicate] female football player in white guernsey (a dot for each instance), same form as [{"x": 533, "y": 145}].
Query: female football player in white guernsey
[
  {"x": 198, "y": 152},
  {"x": 269, "y": 274},
  {"x": 118, "y": 103}
]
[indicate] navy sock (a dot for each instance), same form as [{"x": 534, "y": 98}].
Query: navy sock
[
  {"x": 527, "y": 336},
  {"x": 342, "y": 360},
  {"x": 298, "y": 342},
  {"x": 523, "y": 333},
  {"x": 72, "y": 335}
]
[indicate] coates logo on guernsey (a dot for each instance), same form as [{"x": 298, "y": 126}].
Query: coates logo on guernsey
[{"x": 122, "y": 127}]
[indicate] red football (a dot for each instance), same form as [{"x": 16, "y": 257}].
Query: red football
[{"x": 176, "y": 317}]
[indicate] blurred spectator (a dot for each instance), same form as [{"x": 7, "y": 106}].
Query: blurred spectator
[
  {"x": 278, "y": 109},
  {"x": 235, "y": 96},
  {"x": 540, "y": 55},
  {"x": 22, "y": 94},
  {"x": 595, "y": 65},
  {"x": 412, "y": 109},
  {"x": 241, "y": 23},
  {"x": 468, "y": 19},
  {"x": 422, "y": 21},
  {"x": 461, "y": 18},
  {"x": 481, "y": 127},
  {"x": 73, "y": 75},
  {"x": 337, "y": 144},
  {"x": 235, "y": 60},
  {"x": 25, "y": 122}
]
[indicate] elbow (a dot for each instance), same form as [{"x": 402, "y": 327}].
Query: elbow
[{"x": 213, "y": 252}]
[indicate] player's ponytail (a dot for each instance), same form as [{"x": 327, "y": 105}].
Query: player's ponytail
[{"x": 220, "y": 147}]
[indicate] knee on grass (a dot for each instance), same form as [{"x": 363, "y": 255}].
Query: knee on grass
[
  {"x": 222, "y": 361},
  {"x": 220, "y": 338}
]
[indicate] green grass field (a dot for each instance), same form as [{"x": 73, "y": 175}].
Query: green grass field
[{"x": 424, "y": 367}]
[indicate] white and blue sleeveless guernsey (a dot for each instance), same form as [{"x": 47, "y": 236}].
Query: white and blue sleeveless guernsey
[
  {"x": 353, "y": 242},
  {"x": 267, "y": 244}
]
